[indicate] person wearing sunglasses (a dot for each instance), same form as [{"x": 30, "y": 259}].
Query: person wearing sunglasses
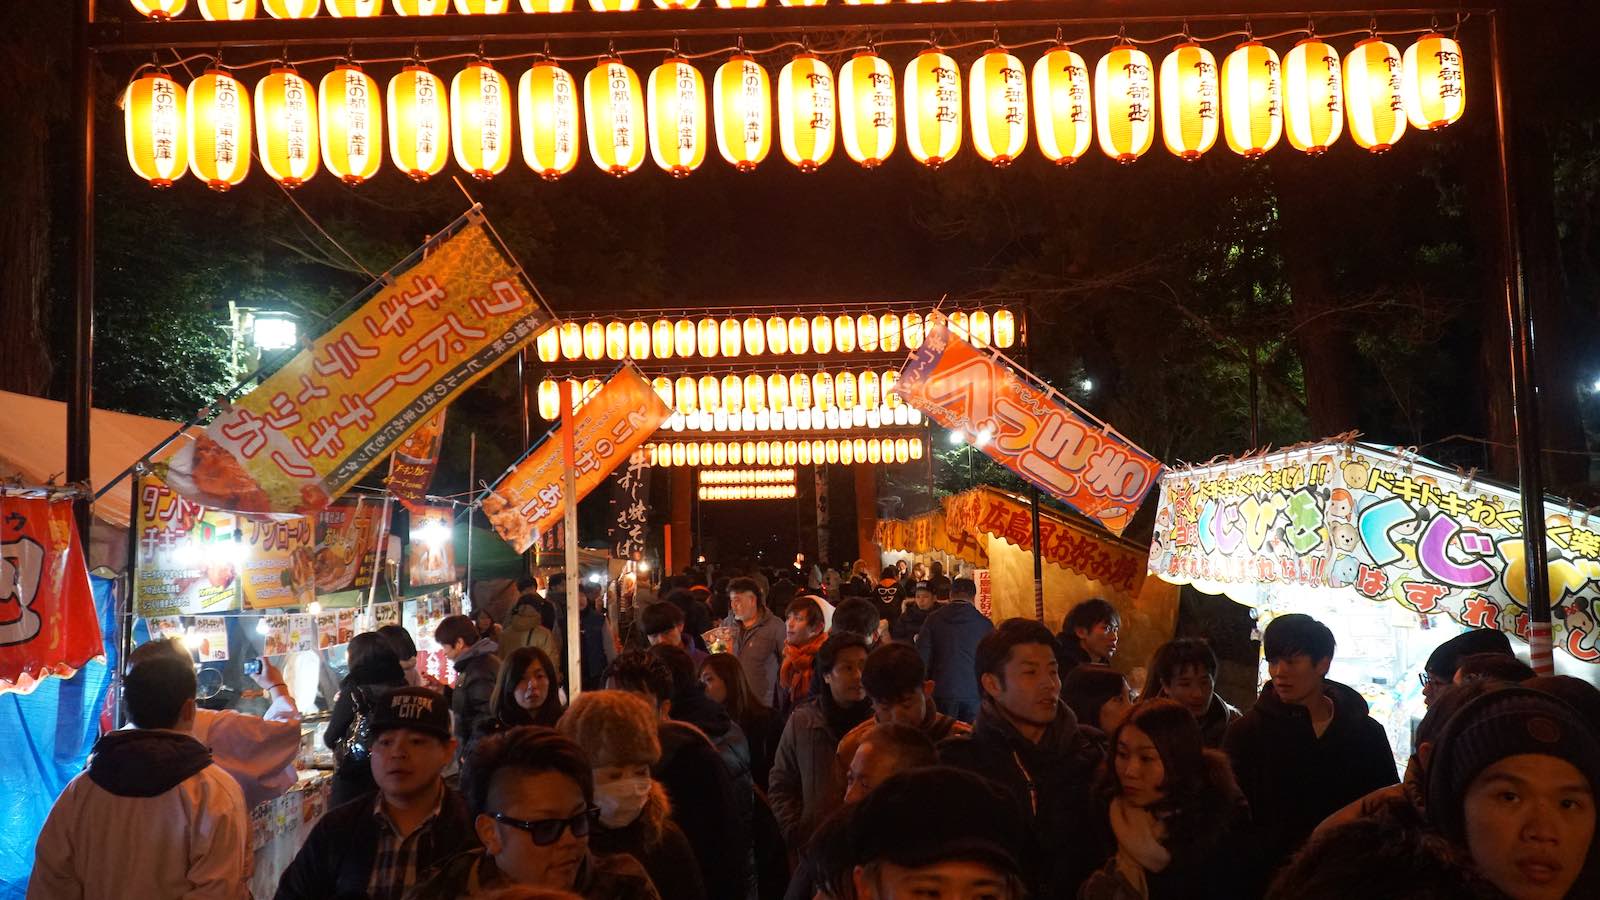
[{"x": 532, "y": 794}]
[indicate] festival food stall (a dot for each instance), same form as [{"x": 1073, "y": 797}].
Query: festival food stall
[{"x": 1393, "y": 552}]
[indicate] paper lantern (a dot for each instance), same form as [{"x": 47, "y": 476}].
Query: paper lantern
[
  {"x": 1435, "y": 82},
  {"x": 709, "y": 394},
  {"x": 799, "y": 335},
  {"x": 732, "y": 393},
  {"x": 286, "y": 127},
  {"x": 866, "y": 109},
  {"x": 234, "y": 10},
  {"x": 355, "y": 9},
  {"x": 638, "y": 340},
  {"x": 546, "y": 6},
  {"x": 153, "y": 111},
  {"x": 481, "y": 7},
  {"x": 421, "y": 7},
  {"x": 821, "y": 334},
  {"x": 802, "y": 2},
  {"x": 732, "y": 337},
  {"x": 978, "y": 328},
  {"x": 844, "y": 390},
  {"x": 548, "y": 344},
  {"x": 571, "y": 340},
  {"x": 549, "y": 400},
  {"x": 1313, "y": 96},
  {"x": 740, "y": 4},
  {"x": 1252, "y": 99},
  {"x": 1005, "y": 328},
  {"x": 677, "y": 4},
  {"x": 292, "y": 9},
  {"x": 615, "y": 103},
  {"x": 958, "y": 325},
  {"x": 777, "y": 392},
  {"x": 755, "y": 337},
  {"x": 1061, "y": 106},
  {"x": 777, "y": 335},
  {"x": 706, "y": 337},
  {"x": 683, "y": 338},
  {"x": 547, "y": 101},
  {"x": 867, "y": 332},
  {"x": 755, "y": 392},
  {"x": 998, "y": 92},
  {"x": 1374, "y": 95},
  {"x": 480, "y": 120},
  {"x": 686, "y": 395},
  {"x": 594, "y": 341},
  {"x": 844, "y": 334},
  {"x": 677, "y": 116},
  {"x": 911, "y": 329},
  {"x": 1124, "y": 103},
  {"x": 419, "y": 122},
  {"x": 616, "y": 341},
  {"x": 742, "y": 112},
  {"x": 889, "y": 333},
  {"x": 933, "y": 107},
  {"x": 890, "y": 398},
  {"x": 822, "y": 390},
  {"x": 1189, "y": 113},
  {"x": 661, "y": 339},
  {"x": 351, "y": 123},
  {"x": 806, "y": 112},
  {"x": 160, "y": 9},
  {"x": 217, "y": 129},
  {"x": 868, "y": 387},
  {"x": 613, "y": 5}
]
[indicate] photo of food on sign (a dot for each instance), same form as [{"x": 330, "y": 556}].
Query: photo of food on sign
[{"x": 277, "y": 641}]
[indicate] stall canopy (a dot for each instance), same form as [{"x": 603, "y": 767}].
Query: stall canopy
[
  {"x": 1376, "y": 524},
  {"x": 992, "y": 529}
]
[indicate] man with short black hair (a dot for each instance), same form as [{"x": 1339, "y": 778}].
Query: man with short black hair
[
  {"x": 948, "y": 642},
  {"x": 897, "y": 684},
  {"x": 662, "y": 623},
  {"x": 477, "y": 668},
  {"x": 152, "y": 816},
  {"x": 915, "y": 614},
  {"x": 1308, "y": 746},
  {"x": 857, "y": 615},
  {"x": 885, "y": 750},
  {"x": 806, "y": 781},
  {"x": 1440, "y": 670},
  {"x": 756, "y": 637},
  {"x": 1495, "y": 667},
  {"x": 1088, "y": 635},
  {"x": 382, "y": 845}
]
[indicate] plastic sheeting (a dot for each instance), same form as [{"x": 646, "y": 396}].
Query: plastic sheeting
[{"x": 47, "y": 735}]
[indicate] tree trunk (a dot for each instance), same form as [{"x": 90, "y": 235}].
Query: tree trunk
[
  {"x": 1326, "y": 349},
  {"x": 25, "y": 227}
]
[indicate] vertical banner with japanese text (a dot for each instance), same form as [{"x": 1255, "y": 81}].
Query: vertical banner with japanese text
[
  {"x": 430, "y": 554},
  {"x": 322, "y": 421},
  {"x": 48, "y": 624},
  {"x": 611, "y": 424},
  {"x": 412, "y": 464},
  {"x": 350, "y": 533},
  {"x": 1032, "y": 430},
  {"x": 188, "y": 556},
  {"x": 630, "y": 507}
]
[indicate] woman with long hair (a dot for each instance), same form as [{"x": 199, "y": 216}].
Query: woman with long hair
[
  {"x": 374, "y": 669},
  {"x": 725, "y": 682},
  {"x": 1176, "y": 816},
  {"x": 527, "y": 692}
]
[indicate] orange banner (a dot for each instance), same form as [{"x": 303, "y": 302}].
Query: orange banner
[
  {"x": 1029, "y": 428},
  {"x": 323, "y": 420},
  {"x": 613, "y": 422},
  {"x": 412, "y": 464},
  {"x": 1069, "y": 546},
  {"x": 47, "y": 619}
]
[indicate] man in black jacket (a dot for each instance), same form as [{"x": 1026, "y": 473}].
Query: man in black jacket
[
  {"x": 477, "y": 668},
  {"x": 1029, "y": 743},
  {"x": 383, "y": 844},
  {"x": 1307, "y": 747}
]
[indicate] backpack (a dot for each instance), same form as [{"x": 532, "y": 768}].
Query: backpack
[{"x": 355, "y": 747}]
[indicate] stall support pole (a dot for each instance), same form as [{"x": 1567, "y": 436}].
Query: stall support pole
[
  {"x": 472, "y": 485},
  {"x": 126, "y": 603},
  {"x": 569, "y": 496},
  {"x": 80, "y": 397},
  {"x": 1524, "y": 374},
  {"x": 1038, "y": 556},
  {"x": 378, "y": 554}
]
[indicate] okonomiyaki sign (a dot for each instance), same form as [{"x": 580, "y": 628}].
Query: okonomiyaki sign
[{"x": 1360, "y": 518}]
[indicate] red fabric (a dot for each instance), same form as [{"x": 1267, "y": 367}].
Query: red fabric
[
  {"x": 794, "y": 676},
  {"x": 47, "y": 618}
]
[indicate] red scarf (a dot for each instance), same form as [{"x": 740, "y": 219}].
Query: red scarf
[{"x": 794, "y": 676}]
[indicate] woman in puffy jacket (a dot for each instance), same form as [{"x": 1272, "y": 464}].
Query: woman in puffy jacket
[{"x": 374, "y": 670}]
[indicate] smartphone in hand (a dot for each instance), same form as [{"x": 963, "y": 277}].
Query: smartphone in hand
[{"x": 252, "y": 667}]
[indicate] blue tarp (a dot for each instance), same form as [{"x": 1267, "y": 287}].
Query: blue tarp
[{"x": 47, "y": 736}]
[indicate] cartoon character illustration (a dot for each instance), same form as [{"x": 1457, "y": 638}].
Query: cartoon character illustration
[
  {"x": 1356, "y": 473},
  {"x": 1343, "y": 571},
  {"x": 1344, "y": 536},
  {"x": 1582, "y": 637},
  {"x": 1341, "y": 506}
]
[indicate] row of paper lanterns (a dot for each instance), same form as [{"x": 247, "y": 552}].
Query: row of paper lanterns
[
  {"x": 1252, "y": 100},
  {"x": 733, "y": 394},
  {"x": 711, "y": 337},
  {"x": 746, "y": 476},
  {"x": 832, "y": 451},
  {"x": 749, "y": 492},
  {"x": 242, "y": 10},
  {"x": 857, "y": 418}
]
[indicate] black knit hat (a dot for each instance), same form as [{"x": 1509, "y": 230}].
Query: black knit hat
[
  {"x": 1447, "y": 656},
  {"x": 932, "y": 815},
  {"x": 1509, "y": 721}
]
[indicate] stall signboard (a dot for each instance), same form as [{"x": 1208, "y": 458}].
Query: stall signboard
[
  {"x": 426, "y": 332},
  {"x": 210, "y": 638},
  {"x": 385, "y": 614},
  {"x": 189, "y": 556},
  {"x": 1383, "y": 526},
  {"x": 413, "y": 463},
  {"x": 984, "y": 601},
  {"x": 48, "y": 624},
  {"x": 349, "y": 535},
  {"x": 630, "y": 507},
  {"x": 430, "y": 554},
  {"x": 1028, "y": 427},
  {"x": 279, "y": 567},
  {"x": 610, "y": 425}
]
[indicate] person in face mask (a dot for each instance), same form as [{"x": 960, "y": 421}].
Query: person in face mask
[{"x": 617, "y": 732}]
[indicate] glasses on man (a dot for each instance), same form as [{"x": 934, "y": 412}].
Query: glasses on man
[
  {"x": 547, "y": 831},
  {"x": 1427, "y": 678}
]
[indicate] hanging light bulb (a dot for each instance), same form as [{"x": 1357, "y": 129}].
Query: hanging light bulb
[
  {"x": 806, "y": 112},
  {"x": 677, "y": 115},
  {"x": 239, "y": 10},
  {"x": 1124, "y": 101},
  {"x": 1252, "y": 99},
  {"x": 480, "y": 121},
  {"x": 743, "y": 112},
  {"x": 217, "y": 130},
  {"x": 616, "y": 123},
  {"x": 1374, "y": 94},
  {"x": 998, "y": 91},
  {"x": 933, "y": 107},
  {"x": 1189, "y": 114},
  {"x": 1061, "y": 106},
  {"x": 153, "y": 110},
  {"x": 866, "y": 109},
  {"x": 351, "y": 123},
  {"x": 1435, "y": 82},
  {"x": 419, "y": 122},
  {"x": 1313, "y": 96},
  {"x": 286, "y": 127}
]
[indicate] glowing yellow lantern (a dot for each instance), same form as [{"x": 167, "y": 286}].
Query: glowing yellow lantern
[
  {"x": 1252, "y": 99},
  {"x": 1374, "y": 95},
  {"x": 740, "y": 4},
  {"x": 549, "y": 344},
  {"x": 680, "y": 456},
  {"x": 240, "y": 10},
  {"x": 867, "y": 386},
  {"x": 546, "y": 6},
  {"x": 480, "y": 120},
  {"x": 777, "y": 392},
  {"x": 616, "y": 340},
  {"x": 594, "y": 341},
  {"x": 685, "y": 394},
  {"x": 591, "y": 386},
  {"x": 638, "y": 340},
  {"x": 710, "y": 394},
  {"x": 999, "y": 96},
  {"x": 1435, "y": 82},
  {"x": 821, "y": 334},
  {"x": 806, "y": 112},
  {"x": 748, "y": 448},
  {"x": 844, "y": 390},
  {"x": 755, "y": 392},
  {"x": 616, "y": 120},
  {"x": 419, "y": 122},
  {"x": 867, "y": 332},
  {"x": 732, "y": 337},
  {"x": 916, "y": 448},
  {"x": 755, "y": 337},
  {"x": 799, "y": 335},
  {"x": 1005, "y": 328},
  {"x": 802, "y": 2},
  {"x": 286, "y": 127},
  {"x": 902, "y": 450},
  {"x": 571, "y": 340},
  {"x": 803, "y": 453},
  {"x": 549, "y": 400},
  {"x": 691, "y": 453},
  {"x": 613, "y": 5},
  {"x": 890, "y": 398},
  {"x": 421, "y": 7},
  {"x": 791, "y": 453},
  {"x": 352, "y": 123},
  {"x": 355, "y": 9},
  {"x": 706, "y": 337},
  {"x": 978, "y": 328},
  {"x": 832, "y": 448},
  {"x": 683, "y": 338},
  {"x": 160, "y": 9},
  {"x": 1189, "y": 114},
  {"x": 933, "y": 107},
  {"x": 732, "y": 393},
  {"x": 1124, "y": 100},
  {"x": 153, "y": 112},
  {"x": 844, "y": 334},
  {"x": 661, "y": 339},
  {"x": 875, "y": 452},
  {"x": 742, "y": 112},
  {"x": 292, "y": 9},
  {"x": 800, "y": 391},
  {"x": 663, "y": 388},
  {"x": 777, "y": 335},
  {"x": 217, "y": 129},
  {"x": 1313, "y": 96},
  {"x": 481, "y": 7},
  {"x": 911, "y": 328},
  {"x": 1061, "y": 106},
  {"x": 866, "y": 109},
  {"x": 677, "y": 116},
  {"x": 958, "y": 326},
  {"x": 822, "y": 390}
]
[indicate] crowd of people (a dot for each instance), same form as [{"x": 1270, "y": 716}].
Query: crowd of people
[{"x": 774, "y": 735}]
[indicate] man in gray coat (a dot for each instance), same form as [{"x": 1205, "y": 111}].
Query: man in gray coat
[
  {"x": 806, "y": 781},
  {"x": 755, "y": 636}
]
